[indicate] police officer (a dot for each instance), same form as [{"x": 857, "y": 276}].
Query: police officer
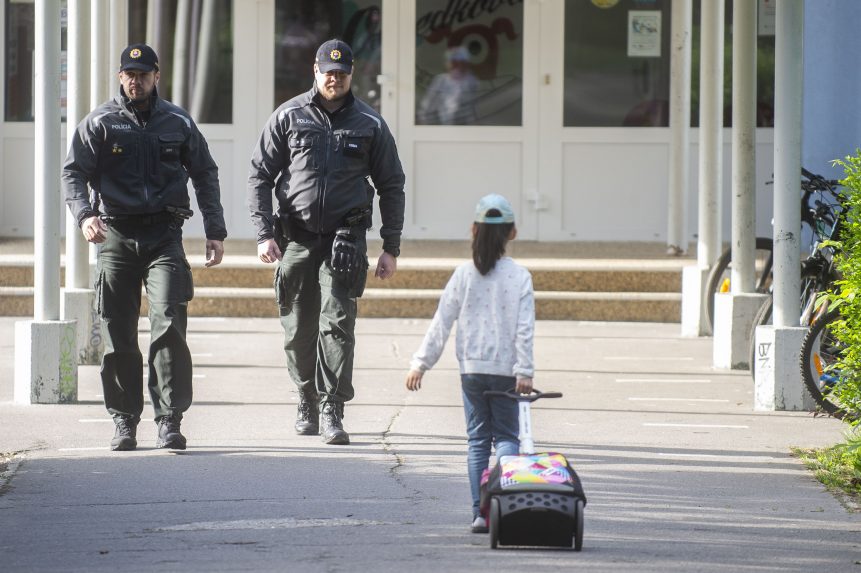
[
  {"x": 137, "y": 152},
  {"x": 318, "y": 152}
]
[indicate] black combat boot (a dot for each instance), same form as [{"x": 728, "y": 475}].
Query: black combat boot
[
  {"x": 125, "y": 434},
  {"x": 307, "y": 417},
  {"x": 169, "y": 435},
  {"x": 330, "y": 424}
]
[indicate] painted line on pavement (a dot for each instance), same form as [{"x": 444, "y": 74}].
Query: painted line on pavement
[
  {"x": 102, "y": 449},
  {"x": 201, "y": 355},
  {"x": 662, "y": 425},
  {"x": 677, "y": 400},
  {"x": 665, "y": 380},
  {"x": 721, "y": 456},
  {"x": 668, "y": 358}
]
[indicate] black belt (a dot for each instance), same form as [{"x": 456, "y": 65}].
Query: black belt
[{"x": 149, "y": 219}]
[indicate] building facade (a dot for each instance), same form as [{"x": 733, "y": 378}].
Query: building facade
[{"x": 560, "y": 105}]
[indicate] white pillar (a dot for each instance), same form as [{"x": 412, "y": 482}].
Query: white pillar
[
  {"x": 781, "y": 387},
  {"x": 680, "y": 125},
  {"x": 743, "y": 274},
  {"x": 694, "y": 321},
  {"x": 788, "y": 88},
  {"x": 79, "y": 300},
  {"x": 732, "y": 324},
  {"x": 119, "y": 34},
  {"x": 46, "y": 238},
  {"x": 101, "y": 81},
  {"x": 711, "y": 132},
  {"x": 179, "y": 93},
  {"x": 78, "y": 100},
  {"x": 45, "y": 367}
]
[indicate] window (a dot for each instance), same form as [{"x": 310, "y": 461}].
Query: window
[
  {"x": 196, "y": 59},
  {"x": 302, "y": 25},
  {"x": 20, "y": 38},
  {"x": 617, "y": 63},
  {"x": 469, "y": 63}
]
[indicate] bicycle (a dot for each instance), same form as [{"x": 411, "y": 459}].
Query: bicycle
[
  {"x": 817, "y": 270},
  {"x": 820, "y": 351},
  {"x": 718, "y": 279}
]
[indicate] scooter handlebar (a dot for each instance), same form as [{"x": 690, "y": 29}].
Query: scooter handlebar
[{"x": 531, "y": 397}]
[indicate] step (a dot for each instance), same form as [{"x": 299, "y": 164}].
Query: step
[
  {"x": 408, "y": 303},
  {"x": 604, "y": 289}
]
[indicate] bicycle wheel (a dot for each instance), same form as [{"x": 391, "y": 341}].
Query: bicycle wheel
[
  {"x": 819, "y": 351},
  {"x": 721, "y": 270},
  {"x": 762, "y": 317}
]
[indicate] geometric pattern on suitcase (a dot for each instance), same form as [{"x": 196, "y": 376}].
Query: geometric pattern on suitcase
[{"x": 543, "y": 468}]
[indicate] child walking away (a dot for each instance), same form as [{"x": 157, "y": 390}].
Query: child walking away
[{"x": 492, "y": 301}]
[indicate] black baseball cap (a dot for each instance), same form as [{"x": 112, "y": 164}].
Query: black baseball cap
[
  {"x": 335, "y": 55},
  {"x": 139, "y": 57}
]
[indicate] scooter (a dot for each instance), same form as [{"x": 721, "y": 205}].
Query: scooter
[{"x": 532, "y": 498}]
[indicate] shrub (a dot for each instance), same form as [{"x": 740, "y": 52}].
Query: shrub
[{"x": 847, "y": 294}]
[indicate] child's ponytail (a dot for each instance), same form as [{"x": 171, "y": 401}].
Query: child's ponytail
[{"x": 488, "y": 242}]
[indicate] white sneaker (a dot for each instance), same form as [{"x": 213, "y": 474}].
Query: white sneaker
[{"x": 479, "y": 525}]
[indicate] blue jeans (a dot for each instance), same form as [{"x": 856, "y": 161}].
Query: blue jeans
[{"x": 489, "y": 422}]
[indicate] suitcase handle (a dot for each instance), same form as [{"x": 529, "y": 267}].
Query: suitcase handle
[{"x": 536, "y": 394}]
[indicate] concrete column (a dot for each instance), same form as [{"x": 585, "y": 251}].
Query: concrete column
[
  {"x": 731, "y": 348},
  {"x": 45, "y": 365},
  {"x": 778, "y": 384},
  {"x": 680, "y": 125},
  {"x": 732, "y": 325},
  {"x": 100, "y": 79},
  {"x": 46, "y": 238},
  {"x": 788, "y": 80},
  {"x": 694, "y": 322},
  {"x": 180, "y": 54},
  {"x": 78, "y": 302},
  {"x": 119, "y": 34}
]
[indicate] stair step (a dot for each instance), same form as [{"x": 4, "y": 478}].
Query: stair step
[
  {"x": 604, "y": 289},
  {"x": 408, "y": 303}
]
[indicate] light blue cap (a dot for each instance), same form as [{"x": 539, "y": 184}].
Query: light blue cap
[{"x": 494, "y": 201}]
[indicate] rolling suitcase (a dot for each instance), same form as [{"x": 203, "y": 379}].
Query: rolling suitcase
[{"x": 532, "y": 498}]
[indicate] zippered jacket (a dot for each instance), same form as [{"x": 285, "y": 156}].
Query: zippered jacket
[
  {"x": 319, "y": 163},
  {"x": 138, "y": 169}
]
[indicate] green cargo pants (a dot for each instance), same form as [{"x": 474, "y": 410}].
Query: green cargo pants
[
  {"x": 318, "y": 314},
  {"x": 151, "y": 255}
]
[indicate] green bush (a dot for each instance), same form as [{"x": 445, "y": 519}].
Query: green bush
[{"x": 847, "y": 295}]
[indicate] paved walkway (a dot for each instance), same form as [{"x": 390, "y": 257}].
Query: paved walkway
[{"x": 680, "y": 473}]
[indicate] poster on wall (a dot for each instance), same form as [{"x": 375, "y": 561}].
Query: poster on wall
[
  {"x": 644, "y": 34},
  {"x": 765, "y": 19}
]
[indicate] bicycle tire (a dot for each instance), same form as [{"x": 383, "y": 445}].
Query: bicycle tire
[
  {"x": 818, "y": 351},
  {"x": 762, "y": 317},
  {"x": 717, "y": 274}
]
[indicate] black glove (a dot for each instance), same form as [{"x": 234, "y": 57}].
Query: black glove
[{"x": 345, "y": 254}]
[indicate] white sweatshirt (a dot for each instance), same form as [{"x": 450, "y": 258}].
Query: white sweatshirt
[{"x": 495, "y": 317}]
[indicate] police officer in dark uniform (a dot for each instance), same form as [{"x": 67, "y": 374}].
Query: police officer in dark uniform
[
  {"x": 320, "y": 152},
  {"x": 137, "y": 152}
]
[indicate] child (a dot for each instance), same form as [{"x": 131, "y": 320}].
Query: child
[{"x": 491, "y": 298}]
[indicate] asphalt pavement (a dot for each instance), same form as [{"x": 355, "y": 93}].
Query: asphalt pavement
[{"x": 681, "y": 474}]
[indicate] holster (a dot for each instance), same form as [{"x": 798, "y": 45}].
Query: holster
[
  {"x": 346, "y": 258},
  {"x": 281, "y": 233}
]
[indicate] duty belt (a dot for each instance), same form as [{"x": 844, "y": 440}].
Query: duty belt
[
  {"x": 149, "y": 219},
  {"x": 170, "y": 214}
]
